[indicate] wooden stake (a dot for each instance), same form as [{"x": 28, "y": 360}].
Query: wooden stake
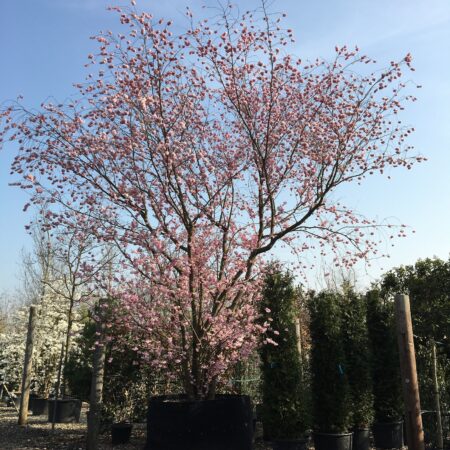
[
  {"x": 96, "y": 396},
  {"x": 414, "y": 429},
  {"x": 437, "y": 401},
  {"x": 27, "y": 366}
]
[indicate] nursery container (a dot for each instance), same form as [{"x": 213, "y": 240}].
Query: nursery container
[
  {"x": 333, "y": 441},
  {"x": 67, "y": 410},
  {"x": 361, "y": 439},
  {"x": 175, "y": 423},
  {"x": 39, "y": 406},
  {"x": 388, "y": 435},
  {"x": 121, "y": 433}
]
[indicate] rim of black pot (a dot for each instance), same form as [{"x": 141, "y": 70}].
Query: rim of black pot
[
  {"x": 333, "y": 434},
  {"x": 388, "y": 423},
  {"x": 182, "y": 398}
]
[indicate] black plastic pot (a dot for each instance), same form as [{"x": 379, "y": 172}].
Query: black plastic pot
[
  {"x": 175, "y": 423},
  {"x": 361, "y": 439},
  {"x": 388, "y": 435},
  {"x": 39, "y": 406},
  {"x": 67, "y": 410},
  {"x": 121, "y": 433},
  {"x": 290, "y": 444},
  {"x": 333, "y": 441}
]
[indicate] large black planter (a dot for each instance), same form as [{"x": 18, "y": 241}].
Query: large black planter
[
  {"x": 333, "y": 441},
  {"x": 388, "y": 435},
  {"x": 290, "y": 444},
  {"x": 361, "y": 439},
  {"x": 225, "y": 423},
  {"x": 121, "y": 433},
  {"x": 39, "y": 406},
  {"x": 67, "y": 410}
]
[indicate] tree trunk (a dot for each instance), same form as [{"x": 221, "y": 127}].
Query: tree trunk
[
  {"x": 67, "y": 345},
  {"x": 96, "y": 396},
  {"x": 26, "y": 376}
]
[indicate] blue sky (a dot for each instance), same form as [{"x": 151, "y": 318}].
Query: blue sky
[{"x": 44, "y": 44}]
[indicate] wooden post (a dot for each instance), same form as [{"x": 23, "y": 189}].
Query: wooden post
[
  {"x": 414, "y": 429},
  {"x": 437, "y": 401},
  {"x": 96, "y": 397},
  {"x": 26, "y": 376},
  {"x": 298, "y": 332}
]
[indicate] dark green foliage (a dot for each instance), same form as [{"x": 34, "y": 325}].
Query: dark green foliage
[
  {"x": 428, "y": 285},
  {"x": 126, "y": 382},
  {"x": 387, "y": 389},
  {"x": 358, "y": 358},
  {"x": 78, "y": 371},
  {"x": 331, "y": 391},
  {"x": 285, "y": 411}
]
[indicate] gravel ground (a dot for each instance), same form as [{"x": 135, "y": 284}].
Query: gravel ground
[{"x": 38, "y": 435}]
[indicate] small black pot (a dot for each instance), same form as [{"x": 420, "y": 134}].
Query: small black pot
[
  {"x": 39, "y": 406},
  {"x": 290, "y": 444},
  {"x": 67, "y": 410},
  {"x": 175, "y": 423},
  {"x": 121, "y": 433},
  {"x": 388, "y": 435},
  {"x": 333, "y": 441},
  {"x": 361, "y": 439}
]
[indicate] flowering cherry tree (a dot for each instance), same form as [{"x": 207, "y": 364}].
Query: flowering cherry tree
[{"x": 196, "y": 153}]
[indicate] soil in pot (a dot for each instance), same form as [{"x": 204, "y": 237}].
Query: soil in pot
[
  {"x": 67, "y": 410},
  {"x": 333, "y": 441},
  {"x": 225, "y": 423},
  {"x": 121, "y": 433},
  {"x": 39, "y": 406},
  {"x": 388, "y": 435},
  {"x": 361, "y": 439},
  {"x": 290, "y": 444}
]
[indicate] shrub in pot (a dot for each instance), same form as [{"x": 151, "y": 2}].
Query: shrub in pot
[
  {"x": 118, "y": 415},
  {"x": 358, "y": 363},
  {"x": 388, "y": 404},
  {"x": 330, "y": 387},
  {"x": 284, "y": 412}
]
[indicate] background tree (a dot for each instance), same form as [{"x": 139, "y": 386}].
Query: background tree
[
  {"x": 195, "y": 154},
  {"x": 428, "y": 284},
  {"x": 285, "y": 396}
]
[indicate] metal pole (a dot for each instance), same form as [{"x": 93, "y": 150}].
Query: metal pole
[
  {"x": 27, "y": 366},
  {"x": 414, "y": 429}
]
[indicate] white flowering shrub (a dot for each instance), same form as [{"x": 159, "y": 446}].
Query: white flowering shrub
[{"x": 50, "y": 333}]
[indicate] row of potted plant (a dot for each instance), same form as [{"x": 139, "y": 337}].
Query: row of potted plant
[{"x": 351, "y": 381}]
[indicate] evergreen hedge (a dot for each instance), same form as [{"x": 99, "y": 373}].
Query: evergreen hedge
[
  {"x": 284, "y": 411},
  {"x": 358, "y": 358},
  {"x": 387, "y": 388},
  {"x": 331, "y": 390}
]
